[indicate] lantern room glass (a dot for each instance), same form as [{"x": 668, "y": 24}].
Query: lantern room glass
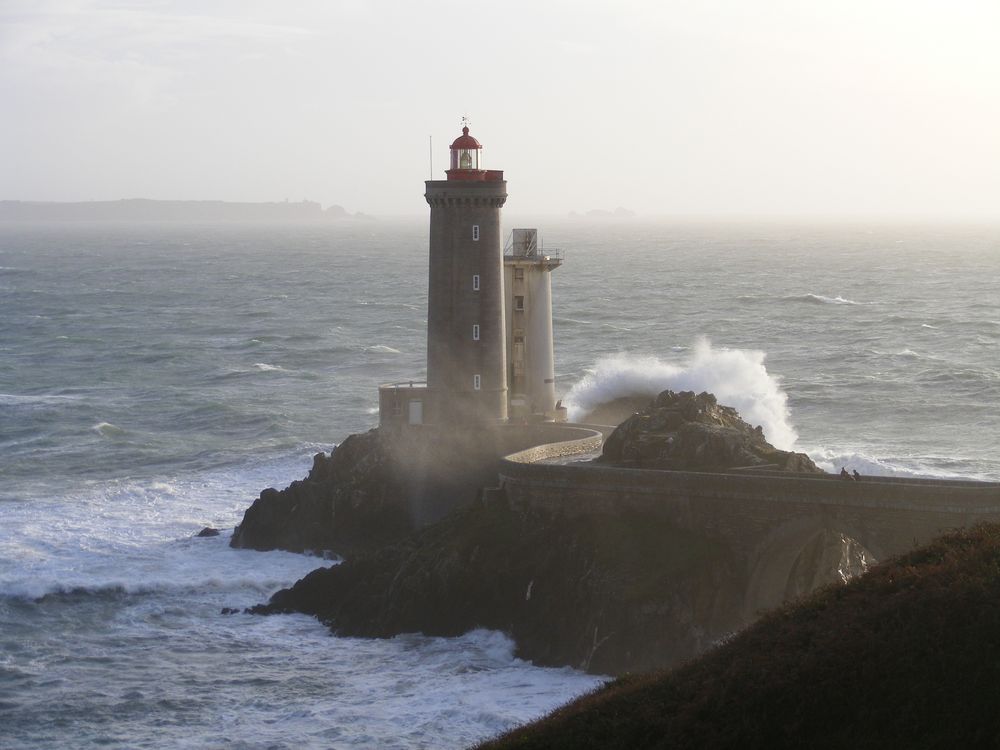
[{"x": 465, "y": 158}]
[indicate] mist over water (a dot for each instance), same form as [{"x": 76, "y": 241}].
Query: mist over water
[{"x": 153, "y": 378}]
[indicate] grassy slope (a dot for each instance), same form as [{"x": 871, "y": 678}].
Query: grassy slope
[{"x": 908, "y": 655}]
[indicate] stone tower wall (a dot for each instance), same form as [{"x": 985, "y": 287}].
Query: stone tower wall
[{"x": 454, "y": 306}]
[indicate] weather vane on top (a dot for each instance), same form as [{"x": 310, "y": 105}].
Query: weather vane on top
[{"x": 466, "y": 122}]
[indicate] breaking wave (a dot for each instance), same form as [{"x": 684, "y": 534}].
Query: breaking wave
[
  {"x": 737, "y": 377},
  {"x": 920, "y": 467},
  {"x": 820, "y": 299},
  {"x": 106, "y": 429}
]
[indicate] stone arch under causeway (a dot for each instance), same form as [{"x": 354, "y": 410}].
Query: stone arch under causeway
[{"x": 803, "y": 554}]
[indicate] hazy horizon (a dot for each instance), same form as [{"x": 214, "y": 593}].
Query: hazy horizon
[{"x": 863, "y": 111}]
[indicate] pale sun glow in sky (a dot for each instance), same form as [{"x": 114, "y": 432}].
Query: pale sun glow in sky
[{"x": 717, "y": 107}]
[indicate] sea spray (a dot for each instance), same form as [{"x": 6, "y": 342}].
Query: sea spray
[{"x": 737, "y": 377}]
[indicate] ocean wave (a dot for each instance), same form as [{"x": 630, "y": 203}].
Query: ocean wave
[
  {"x": 264, "y": 367},
  {"x": 382, "y": 349},
  {"x": 820, "y": 299},
  {"x": 914, "y": 467},
  {"x": 737, "y": 377},
  {"x": 15, "y": 399},
  {"x": 381, "y": 303},
  {"x": 111, "y": 590},
  {"x": 963, "y": 376},
  {"x": 106, "y": 429}
]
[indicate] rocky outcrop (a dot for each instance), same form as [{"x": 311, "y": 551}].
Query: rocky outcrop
[
  {"x": 688, "y": 432},
  {"x": 609, "y": 595},
  {"x": 353, "y": 498},
  {"x": 608, "y": 592},
  {"x": 377, "y": 486}
]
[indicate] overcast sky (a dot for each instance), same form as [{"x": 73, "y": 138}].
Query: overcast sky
[{"x": 824, "y": 107}]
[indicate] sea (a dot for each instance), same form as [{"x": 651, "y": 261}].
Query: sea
[{"x": 155, "y": 377}]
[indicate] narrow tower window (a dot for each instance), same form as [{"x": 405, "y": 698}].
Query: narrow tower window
[
  {"x": 518, "y": 302},
  {"x": 476, "y": 382},
  {"x": 475, "y": 233},
  {"x": 475, "y": 332},
  {"x": 518, "y": 274},
  {"x": 475, "y": 283}
]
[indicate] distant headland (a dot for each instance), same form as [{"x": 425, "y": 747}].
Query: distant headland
[{"x": 142, "y": 209}]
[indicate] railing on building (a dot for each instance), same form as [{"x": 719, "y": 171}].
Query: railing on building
[{"x": 525, "y": 243}]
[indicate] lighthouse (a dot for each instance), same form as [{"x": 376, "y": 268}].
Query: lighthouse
[
  {"x": 466, "y": 347},
  {"x": 489, "y": 311}
]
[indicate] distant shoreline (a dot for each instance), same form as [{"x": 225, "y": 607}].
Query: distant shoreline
[{"x": 142, "y": 209}]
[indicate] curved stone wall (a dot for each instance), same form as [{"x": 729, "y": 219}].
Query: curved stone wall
[{"x": 560, "y": 441}]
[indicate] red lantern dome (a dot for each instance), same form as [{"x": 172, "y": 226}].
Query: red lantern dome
[
  {"x": 467, "y": 160},
  {"x": 465, "y": 141},
  {"x": 466, "y": 153}
]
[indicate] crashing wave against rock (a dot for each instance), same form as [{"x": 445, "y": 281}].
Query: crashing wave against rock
[{"x": 688, "y": 432}]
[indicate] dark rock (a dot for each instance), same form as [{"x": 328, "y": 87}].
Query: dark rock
[
  {"x": 353, "y": 497},
  {"x": 207, "y": 531},
  {"x": 688, "y": 432},
  {"x": 608, "y": 595},
  {"x": 380, "y": 485}
]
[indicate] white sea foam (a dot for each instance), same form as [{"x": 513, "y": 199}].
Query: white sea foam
[
  {"x": 382, "y": 349},
  {"x": 264, "y": 367},
  {"x": 926, "y": 467},
  {"x": 106, "y": 429},
  {"x": 822, "y": 299},
  {"x": 137, "y": 536},
  {"x": 737, "y": 377},
  {"x": 125, "y": 547},
  {"x": 14, "y": 399}
]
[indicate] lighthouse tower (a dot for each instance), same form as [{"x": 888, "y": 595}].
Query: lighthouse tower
[{"x": 466, "y": 348}]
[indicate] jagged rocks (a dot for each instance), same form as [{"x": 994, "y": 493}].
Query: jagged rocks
[
  {"x": 352, "y": 498},
  {"x": 377, "y": 486},
  {"x": 688, "y": 432},
  {"x": 608, "y": 595}
]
